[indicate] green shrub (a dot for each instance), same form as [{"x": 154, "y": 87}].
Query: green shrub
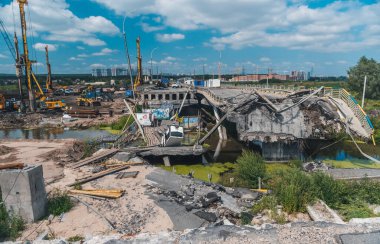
[
  {"x": 267, "y": 202},
  {"x": 331, "y": 191},
  {"x": 251, "y": 166},
  {"x": 356, "y": 209},
  {"x": 10, "y": 224},
  {"x": 59, "y": 202},
  {"x": 75, "y": 238},
  {"x": 89, "y": 147},
  {"x": 293, "y": 189}
]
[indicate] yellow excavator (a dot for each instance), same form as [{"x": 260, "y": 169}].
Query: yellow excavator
[{"x": 2, "y": 102}]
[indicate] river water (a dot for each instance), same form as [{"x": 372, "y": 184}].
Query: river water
[{"x": 226, "y": 151}]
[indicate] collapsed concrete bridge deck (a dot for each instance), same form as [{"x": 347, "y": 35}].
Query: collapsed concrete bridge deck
[{"x": 289, "y": 113}]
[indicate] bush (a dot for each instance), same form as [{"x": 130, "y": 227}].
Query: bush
[
  {"x": 267, "y": 202},
  {"x": 89, "y": 147},
  {"x": 331, "y": 191},
  {"x": 251, "y": 166},
  {"x": 10, "y": 224},
  {"x": 355, "y": 209},
  {"x": 59, "y": 202},
  {"x": 293, "y": 189}
]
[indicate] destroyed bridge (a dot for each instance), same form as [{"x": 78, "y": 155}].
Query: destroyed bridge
[{"x": 278, "y": 114}]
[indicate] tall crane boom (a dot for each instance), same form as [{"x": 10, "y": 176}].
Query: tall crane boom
[
  {"x": 139, "y": 77},
  {"x": 27, "y": 62},
  {"x": 49, "y": 84}
]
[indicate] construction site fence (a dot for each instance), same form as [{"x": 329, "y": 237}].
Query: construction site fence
[{"x": 338, "y": 93}]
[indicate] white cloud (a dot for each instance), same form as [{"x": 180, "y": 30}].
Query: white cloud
[
  {"x": 104, "y": 52},
  {"x": 265, "y": 59},
  {"x": 41, "y": 47},
  {"x": 3, "y": 56},
  {"x": 80, "y": 48},
  {"x": 54, "y": 21},
  {"x": 97, "y": 66},
  {"x": 169, "y": 37},
  {"x": 75, "y": 59},
  {"x": 338, "y": 26},
  {"x": 82, "y": 55},
  {"x": 149, "y": 28},
  {"x": 200, "y": 59}
]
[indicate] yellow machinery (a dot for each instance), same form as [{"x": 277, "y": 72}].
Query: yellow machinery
[
  {"x": 89, "y": 102},
  {"x": 2, "y": 102},
  {"x": 139, "y": 77},
  {"x": 45, "y": 102},
  {"x": 27, "y": 62},
  {"x": 49, "y": 83}
]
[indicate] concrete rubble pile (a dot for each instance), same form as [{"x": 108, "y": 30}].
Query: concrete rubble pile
[{"x": 211, "y": 202}]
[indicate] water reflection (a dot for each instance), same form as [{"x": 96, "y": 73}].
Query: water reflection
[{"x": 52, "y": 133}]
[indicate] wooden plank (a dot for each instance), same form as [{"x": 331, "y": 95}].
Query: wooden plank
[
  {"x": 12, "y": 166},
  {"x": 99, "y": 193},
  {"x": 94, "y": 158},
  {"x": 98, "y": 175}
]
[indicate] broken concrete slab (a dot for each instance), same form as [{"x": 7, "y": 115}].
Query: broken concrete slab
[{"x": 210, "y": 217}]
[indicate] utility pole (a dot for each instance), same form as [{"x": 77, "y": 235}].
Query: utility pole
[
  {"x": 27, "y": 62},
  {"x": 49, "y": 83},
  {"x": 365, "y": 84},
  {"x": 203, "y": 71}
]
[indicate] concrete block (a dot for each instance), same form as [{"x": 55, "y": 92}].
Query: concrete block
[
  {"x": 122, "y": 156},
  {"x": 24, "y": 192}
]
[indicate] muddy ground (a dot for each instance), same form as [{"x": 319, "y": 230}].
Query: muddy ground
[{"x": 53, "y": 119}]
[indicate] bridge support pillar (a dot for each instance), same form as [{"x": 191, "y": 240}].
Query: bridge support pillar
[
  {"x": 221, "y": 129},
  {"x": 167, "y": 161}
]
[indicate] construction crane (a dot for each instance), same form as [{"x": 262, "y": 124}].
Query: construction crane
[
  {"x": 14, "y": 53},
  {"x": 26, "y": 61},
  {"x": 49, "y": 83},
  {"x": 139, "y": 77},
  {"x": 45, "y": 102}
]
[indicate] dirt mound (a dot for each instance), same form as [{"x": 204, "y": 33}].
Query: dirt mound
[
  {"x": 5, "y": 150},
  {"x": 16, "y": 120},
  {"x": 70, "y": 154}
]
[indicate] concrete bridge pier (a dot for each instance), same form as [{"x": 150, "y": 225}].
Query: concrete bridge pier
[{"x": 221, "y": 129}]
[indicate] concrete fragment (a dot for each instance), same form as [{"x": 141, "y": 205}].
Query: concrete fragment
[
  {"x": 210, "y": 217},
  {"x": 122, "y": 156}
]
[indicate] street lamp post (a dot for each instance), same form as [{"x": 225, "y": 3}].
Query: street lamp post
[
  {"x": 151, "y": 63},
  {"x": 128, "y": 58}
]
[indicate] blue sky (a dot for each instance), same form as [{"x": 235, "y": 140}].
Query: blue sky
[{"x": 284, "y": 35}]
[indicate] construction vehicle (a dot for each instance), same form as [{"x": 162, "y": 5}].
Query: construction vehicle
[
  {"x": 2, "y": 102},
  {"x": 44, "y": 101},
  {"x": 89, "y": 102}
]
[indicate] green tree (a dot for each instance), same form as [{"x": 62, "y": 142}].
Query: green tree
[
  {"x": 251, "y": 166},
  {"x": 371, "y": 69}
]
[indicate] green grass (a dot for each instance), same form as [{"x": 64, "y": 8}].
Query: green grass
[
  {"x": 351, "y": 165},
  {"x": 201, "y": 172},
  {"x": 272, "y": 167},
  {"x": 116, "y": 127},
  {"x": 10, "y": 224},
  {"x": 59, "y": 202}
]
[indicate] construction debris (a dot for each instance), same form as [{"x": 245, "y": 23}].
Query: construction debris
[
  {"x": 12, "y": 166},
  {"x": 99, "y": 193},
  {"x": 5, "y": 150},
  {"x": 98, "y": 175},
  {"x": 96, "y": 158},
  {"x": 132, "y": 174}
]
